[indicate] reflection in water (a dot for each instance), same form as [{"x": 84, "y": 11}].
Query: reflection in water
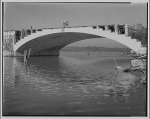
[{"x": 70, "y": 85}]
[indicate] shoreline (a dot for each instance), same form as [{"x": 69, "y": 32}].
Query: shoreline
[{"x": 140, "y": 75}]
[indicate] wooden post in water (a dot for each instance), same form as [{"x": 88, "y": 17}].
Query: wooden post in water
[
  {"x": 115, "y": 62},
  {"x": 29, "y": 53},
  {"x": 118, "y": 68},
  {"x": 25, "y": 56}
]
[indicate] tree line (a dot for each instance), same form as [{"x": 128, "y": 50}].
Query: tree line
[{"x": 94, "y": 48}]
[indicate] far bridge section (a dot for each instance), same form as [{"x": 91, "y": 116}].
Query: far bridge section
[{"x": 48, "y": 41}]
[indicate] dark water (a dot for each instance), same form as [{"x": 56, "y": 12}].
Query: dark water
[{"x": 71, "y": 84}]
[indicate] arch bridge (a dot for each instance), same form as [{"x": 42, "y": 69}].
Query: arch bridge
[{"x": 48, "y": 41}]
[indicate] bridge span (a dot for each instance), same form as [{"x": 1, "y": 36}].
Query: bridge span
[{"x": 49, "y": 41}]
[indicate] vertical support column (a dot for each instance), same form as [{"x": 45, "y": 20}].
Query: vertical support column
[
  {"x": 25, "y": 56},
  {"x": 14, "y": 38},
  {"x": 126, "y": 29},
  {"x": 116, "y": 28},
  {"x": 29, "y": 53},
  {"x": 21, "y": 35},
  {"x": 14, "y": 42},
  {"x": 31, "y": 30},
  {"x": 106, "y": 27}
]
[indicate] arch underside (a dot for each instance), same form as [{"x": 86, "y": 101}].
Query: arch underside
[{"x": 54, "y": 42}]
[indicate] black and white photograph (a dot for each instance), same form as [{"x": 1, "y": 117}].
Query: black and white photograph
[{"x": 74, "y": 59}]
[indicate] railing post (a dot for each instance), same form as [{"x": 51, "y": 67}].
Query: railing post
[{"x": 126, "y": 29}]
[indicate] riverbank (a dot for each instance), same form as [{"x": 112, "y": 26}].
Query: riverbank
[{"x": 140, "y": 75}]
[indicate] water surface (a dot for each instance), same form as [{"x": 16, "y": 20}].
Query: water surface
[{"x": 72, "y": 84}]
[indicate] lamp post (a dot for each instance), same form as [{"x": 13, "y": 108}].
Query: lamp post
[{"x": 65, "y": 24}]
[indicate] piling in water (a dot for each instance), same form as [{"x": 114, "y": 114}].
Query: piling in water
[
  {"x": 29, "y": 53},
  {"x": 25, "y": 56}
]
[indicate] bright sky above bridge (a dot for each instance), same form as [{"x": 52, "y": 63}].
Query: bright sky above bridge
[{"x": 47, "y": 15}]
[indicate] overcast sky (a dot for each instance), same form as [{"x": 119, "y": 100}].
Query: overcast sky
[{"x": 47, "y": 15}]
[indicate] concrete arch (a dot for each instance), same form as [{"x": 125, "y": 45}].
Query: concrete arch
[{"x": 55, "y": 39}]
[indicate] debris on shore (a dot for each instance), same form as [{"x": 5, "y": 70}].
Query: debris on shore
[{"x": 138, "y": 65}]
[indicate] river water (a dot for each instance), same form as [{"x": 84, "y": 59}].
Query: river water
[{"x": 72, "y": 84}]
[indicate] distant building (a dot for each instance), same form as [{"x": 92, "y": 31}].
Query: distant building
[
  {"x": 142, "y": 33},
  {"x": 8, "y": 39}
]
